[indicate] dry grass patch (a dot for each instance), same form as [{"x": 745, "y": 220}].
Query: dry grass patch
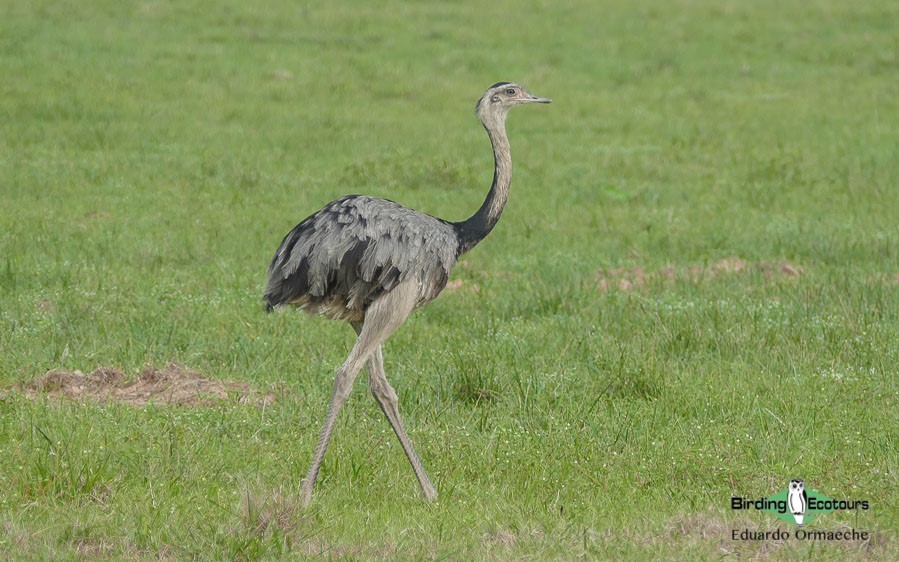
[
  {"x": 629, "y": 279},
  {"x": 172, "y": 385},
  {"x": 459, "y": 285}
]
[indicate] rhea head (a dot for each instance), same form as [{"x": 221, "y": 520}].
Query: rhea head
[{"x": 501, "y": 96}]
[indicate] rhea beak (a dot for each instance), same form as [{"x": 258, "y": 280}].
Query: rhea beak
[{"x": 537, "y": 99}]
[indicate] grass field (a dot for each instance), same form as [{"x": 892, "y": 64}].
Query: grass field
[{"x": 693, "y": 293}]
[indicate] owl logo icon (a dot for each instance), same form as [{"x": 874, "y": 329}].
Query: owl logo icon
[{"x": 797, "y": 500}]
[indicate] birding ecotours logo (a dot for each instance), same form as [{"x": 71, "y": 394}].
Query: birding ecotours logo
[{"x": 797, "y": 504}]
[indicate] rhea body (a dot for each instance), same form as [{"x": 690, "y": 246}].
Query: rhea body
[{"x": 371, "y": 262}]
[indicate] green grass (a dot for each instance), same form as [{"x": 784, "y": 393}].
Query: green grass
[{"x": 153, "y": 154}]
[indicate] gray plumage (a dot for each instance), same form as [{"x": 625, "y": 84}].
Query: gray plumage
[
  {"x": 342, "y": 258},
  {"x": 371, "y": 262}
]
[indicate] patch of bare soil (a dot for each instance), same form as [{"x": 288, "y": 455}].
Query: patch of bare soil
[
  {"x": 172, "y": 385},
  {"x": 628, "y": 279}
]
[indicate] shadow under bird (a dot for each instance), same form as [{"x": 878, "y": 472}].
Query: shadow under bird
[{"x": 371, "y": 262}]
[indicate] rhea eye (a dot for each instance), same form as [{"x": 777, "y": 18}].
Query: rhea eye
[{"x": 511, "y": 91}]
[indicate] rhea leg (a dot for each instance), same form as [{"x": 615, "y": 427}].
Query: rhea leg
[
  {"x": 343, "y": 384},
  {"x": 387, "y": 400},
  {"x": 382, "y": 319}
]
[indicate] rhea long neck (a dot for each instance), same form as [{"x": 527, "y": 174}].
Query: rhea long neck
[{"x": 478, "y": 226}]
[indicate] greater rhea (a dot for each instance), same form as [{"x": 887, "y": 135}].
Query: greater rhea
[{"x": 371, "y": 262}]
